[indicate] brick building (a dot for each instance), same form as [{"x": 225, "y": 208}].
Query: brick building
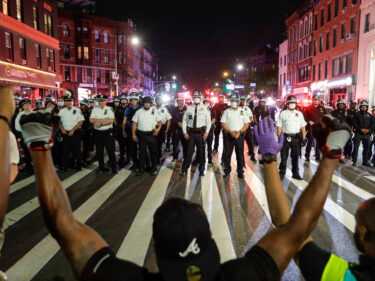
[
  {"x": 335, "y": 49},
  {"x": 94, "y": 49},
  {"x": 29, "y": 57},
  {"x": 283, "y": 90}
]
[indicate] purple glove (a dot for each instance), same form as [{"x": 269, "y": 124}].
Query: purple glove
[{"x": 265, "y": 136}]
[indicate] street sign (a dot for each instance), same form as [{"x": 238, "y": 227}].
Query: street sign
[
  {"x": 253, "y": 84},
  {"x": 239, "y": 87}
]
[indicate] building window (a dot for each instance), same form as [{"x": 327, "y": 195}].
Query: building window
[
  {"x": 48, "y": 24},
  {"x": 65, "y": 27},
  {"x": 343, "y": 31},
  {"x": 337, "y": 3},
  {"x": 334, "y": 40},
  {"x": 38, "y": 56},
  {"x": 9, "y": 45},
  {"x": 367, "y": 23},
  {"x": 97, "y": 35},
  {"x": 79, "y": 74},
  {"x": 107, "y": 76},
  {"x": 35, "y": 18},
  {"x": 284, "y": 78},
  {"x": 97, "y": 55},
  {"x": 86, "y": 53},
  {"x": 354, "y": 2},
  {"x": 281, "y": 61},
  {"x": 79, "y": 52},
  {"x": 19, "y": 9},
  {"x": 300, "y": 30},
  {"x": 322, "y": 17},
  {"x": 326, "y": 69},
  {"x": 50, "y": 55},
  {"x": 6, "y": 7},
  {"x": 316, "y": 22},
  {"x": 310, "y": 23},
  {"x": 66, "y": 52},
  {"x": 344, "y": 4},
  {"x": 329, "y": 12},
  {"x": 281, "y": 80},
  {"x": 342, "y": 65},
  {"x": 105, "y": 37},
  {"x": 314, "y": 69},
  {"x": 89, "y": 75},
  {"x": 320, "y": 71},
  {"x": 98, "y": 76},
  {"x": 67, "y": 73},
  {"x": 121, "y": 58},
  {"x": 120, "y": 40},
  {"x": 306, "y": 27},
  {"x": 85, "y": 32},
  {"x": 352, "y": 26},
  {"x": 285, "y": 60},
  {"x": 106, "y": 56},
  {"x": 21, "y": 43},
  {"x": 315, "y": 47},
  {"x": 321, "y": 44},
  {"x": 327, "y": 41}
]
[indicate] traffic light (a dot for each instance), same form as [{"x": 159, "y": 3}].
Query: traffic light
[
  {"x": 228, "y": 86},
  {"x": 174, "y": 86}
]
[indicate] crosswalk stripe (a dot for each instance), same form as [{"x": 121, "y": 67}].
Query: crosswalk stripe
[
  {"x": 21, "y": 184},
  {"x": 20, "y": 212},
  {"x": 34, "y": 260},
  {"x": 137, "y": 240},
  {"x": 371, "y": 178},
  {"x": 215, "y": 213},
  {"x": 349, "y": 186},
  {"x": 339, "y": 213}
]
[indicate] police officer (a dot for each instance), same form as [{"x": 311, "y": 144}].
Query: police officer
[
  {"x": 177, "y": 134},
  {"x": 165, "y": 125},
  {"x": 235, "y": 121},
  {"x": 249, "y": 134},
  {"x": 91, "y": 104},
  {"x": 146, "y": 127},
  {"x": 38, "y": 105},
  {"x": 207, "y": 102},
  {"x": 170, "y": 107},
  {"x": 85, "y": 129},
  {"x": 261, "y": 111},
  {"x": 364, "y": 125},
  {"x": 17, "y": 100},
  {"x": 219, "y": 109},
  {"x": 196, "y": 125},
  {"x": 103, "y": 117},
  {"x": 71, "y": 121},
  {"x": 127, "y": 124},
  {"x": 352, "y": 111},
  {"x": 313, "y": 114},
  {"x": 340, "y": 112},
  {"x": 293, "y": 124},
  {"x": 250, "y": 103},
  {"x": 119, "y": 115}
]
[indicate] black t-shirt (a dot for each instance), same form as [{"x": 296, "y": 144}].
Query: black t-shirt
[{"x": 256, "y": 265}]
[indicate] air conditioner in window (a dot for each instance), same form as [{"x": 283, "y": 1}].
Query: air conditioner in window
[
  {"x": 23, "y": 61},
  {"x": 350, "y": 36},
  {"x": 342, "y": 41}
]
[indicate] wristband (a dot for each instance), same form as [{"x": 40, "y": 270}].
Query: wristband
[
  {"x": 6, "y": 120},
  {"x": 269, "y": 158}
]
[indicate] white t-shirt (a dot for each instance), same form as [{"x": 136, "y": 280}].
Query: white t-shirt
[
  {"x": 235, "y": 119},
  {"x": 291, "y": 121},
  {"x": 164, "y": 114},
  {"x": 70, "y": 118},
  {"x": 14, "y": 155},
  {"x": 147, "y": 120},
  {"x": 99, "y": 113}
]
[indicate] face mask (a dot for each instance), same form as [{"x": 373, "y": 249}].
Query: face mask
[
  {"x": 60, "y": 103},
  {"x": 207, "y": 105},
  {"x": 292, "y": 106},
  {"x": 234, "y": 104},
  {"x": 96, "y": 103},
  {"x": 197, "y": 100}
]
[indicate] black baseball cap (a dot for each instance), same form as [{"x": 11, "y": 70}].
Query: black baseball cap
[{"x": 184, "y": 246}]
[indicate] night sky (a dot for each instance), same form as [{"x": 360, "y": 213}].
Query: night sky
[{"x": 197, "y": 41}]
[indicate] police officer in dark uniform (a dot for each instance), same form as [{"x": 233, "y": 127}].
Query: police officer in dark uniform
[
  {"x": 364, "y": 125},
  {"x": 115, "y": 103},
  {"x": 261, "y": 111},
  {"x": 352, "y": 111},
  {"x": 84, "y": 105},
  {"x": 207, "y": 102},
  {"x": 38, "y": 105},
  {"x": 177, "y": 134},
  {"x": 91, "y": 104},
  {"x": 170, "y": 107},
  {"x": 219, "y": 109},
  {"x": 313, "y": 114},
  {"x": 340, "y": 112},
  {"x": 196, "y": 125},
  {"x": 119, "y": 115},
  {"x": 165, "y": 125},
  {"x": 127, "y": 124}
]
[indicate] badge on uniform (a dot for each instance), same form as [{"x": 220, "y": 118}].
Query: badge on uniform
[
  {"x": 289, "y": 139},
  {"x": 152, "y": 112},
  {"x": 202, "y": 109},
  {"x": 190, "y": 117},
  {"x": 296, "y": 114},
  {"x": 241, "y": 113},
  {"x": 105, "y": 112},
  {"x": 162, "y": 111},
  {"x": 74, "y": 112}
]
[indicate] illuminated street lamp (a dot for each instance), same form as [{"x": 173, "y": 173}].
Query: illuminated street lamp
[
  {"x": 225, "y": 74},
  {"x": 240, "y": 67},
  {"x": 174, "y": 77},
  {"x": 135, "y": 41},
  {"x": 216, "y": 84}
]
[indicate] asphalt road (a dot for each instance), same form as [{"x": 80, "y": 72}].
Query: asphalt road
[{"x": 120, "y": 208}]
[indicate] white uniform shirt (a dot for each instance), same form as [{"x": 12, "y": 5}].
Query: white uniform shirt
[
  {"x": 247, "y": 110},
  {"x": 291, "y": 121},
  {"x": 164, "y": 114},
  {"x": 14, "y": 155},
  {"x": 203, "y": 118},
  {"x": 147, "y": 120},
  {"x": 17, "y": 125},
  {"x": 99, "y": 113},
  {"x": 235, "y": 119},
  {"x": 70, "y": 118}
]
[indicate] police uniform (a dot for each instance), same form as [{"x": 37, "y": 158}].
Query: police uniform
[
  {"x": 104, "y": 136},
  {"x": 147, "y": 121},
  {"x": 291, "y": 122},
  {"x": 348, "y": 150},
  {"x": 39, "y": 105},
  {"x": 171, "y": 106},
  {"x": 86, "y": 127},
  {"x": 235, "y": 119},
  {"x": 196, "y": 122},
  {"x": 362, "y": 120},
  {"x": 210, "y": 137},
  {"x": 17, "y": 99},
  {"x": 71, "y": 144},
  {"x": 249, "y": 134},
  {"x": 177, "y": 134},
  {"x": 219, "y": 109},
  {"x": 132, "y": 146},
  {"x": 340, "y": 114},
  {"x": 314, "y": 114},
  {"x": 119, "y": 116},
  {"x": 165, "y": 119},
  {"x": 260, "y": 111}
]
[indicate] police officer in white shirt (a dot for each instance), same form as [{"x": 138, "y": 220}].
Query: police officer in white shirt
[
  {"x": 293, "y": 124},
  {"x": 71, "y": 121},
  {"x": 196, "y": 125},
  {"x": 103, "y": 117},
  {"x": 165, "y": 124},
  {"x": 146, "y": 127},
  {"x": 249, "y": 134},
  {"x": 234, "y": 122}
]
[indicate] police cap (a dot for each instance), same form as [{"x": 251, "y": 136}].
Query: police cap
[
  {"x": 340, "y": 101},
  {"x": 234, "y": 97},
  {"x": 363, "y": 103},
  {"x": 196, "y": 94},
  {"x": 101, "y": 97},
  {"x": 133, "y": 96},
  {"x": 116, "y": 99},
  {"x": 25, "y": 101},
  {"x": 291, "y": 99},
  {"x": 123, "y": 96},
  {"x": 84, "y": 102},
  {"x": 147, "y": 100}
]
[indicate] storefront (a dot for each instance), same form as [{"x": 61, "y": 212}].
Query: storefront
[
  {"x": 301, "y": 93},
  {"x": 29, "y": 82}
]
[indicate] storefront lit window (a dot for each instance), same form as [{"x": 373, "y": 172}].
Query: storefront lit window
[
  {"x": 48, "y": 24},
  {"x": 79, "y": 52},
  {"x": 86, "y": 53}
]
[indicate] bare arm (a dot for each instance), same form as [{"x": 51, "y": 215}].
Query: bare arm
[
  {"x": 13, "y": 168},
  {"x": 303, "y": 132},
  {"x": 76, "y": 127},
  {"x": 226, "y": 128},
  {"x": 279, "y": 131},
  {"x": 77, "y": 241}
]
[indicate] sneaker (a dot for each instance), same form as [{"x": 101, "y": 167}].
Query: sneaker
[
  {"x": 307, "y": 159},
  {"x": 167, "y": 149},
  {"x": 153, "y": 172},
  {"x": 3, "y": 276},
  {"x": 354, "y": 164},
  {"x": 282, "y": 176},
  {"x": 297, "y": 177},
  {"x": 201, "y": 174}
]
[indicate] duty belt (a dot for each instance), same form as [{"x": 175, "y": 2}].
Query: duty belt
[
  {"x": 150, "y": 133},
  {"x": 196, "y": 131},
  {"x": 293, "y": 135}
]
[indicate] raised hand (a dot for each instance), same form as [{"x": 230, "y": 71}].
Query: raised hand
[{"x": 265, "y": 135}]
